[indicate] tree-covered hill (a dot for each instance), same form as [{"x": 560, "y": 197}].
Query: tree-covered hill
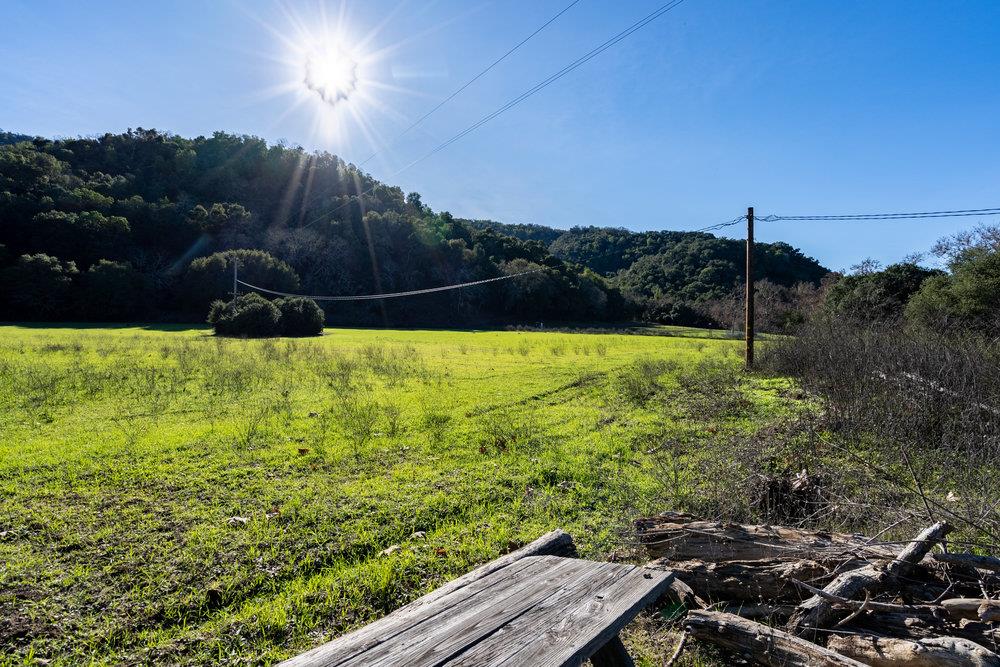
[
  {"x": 681, "y": 267},
  {"x": 148, "y": 225},
  {"x": 145, "y": 224}
]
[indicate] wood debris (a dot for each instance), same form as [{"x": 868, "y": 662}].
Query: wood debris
[{"x": 780, "y": 595}]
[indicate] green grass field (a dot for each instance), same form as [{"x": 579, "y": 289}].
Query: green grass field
[{"x": 167, "y": 496}]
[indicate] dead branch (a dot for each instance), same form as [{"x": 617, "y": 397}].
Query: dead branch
[{"x": 763, "y": 644}]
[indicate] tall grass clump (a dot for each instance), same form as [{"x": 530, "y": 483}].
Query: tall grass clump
[{"x": 639, "y": 381}]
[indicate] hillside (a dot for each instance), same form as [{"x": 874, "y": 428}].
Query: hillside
[
  {"x": 107, "y": 227},
  {"x": 143, "y": 225},
  {"x": 684, "y": 267}
]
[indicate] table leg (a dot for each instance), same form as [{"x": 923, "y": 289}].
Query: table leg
[{"x": 612, "y": 654}]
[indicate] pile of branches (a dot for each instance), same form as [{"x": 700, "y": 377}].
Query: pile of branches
[{"x": 779, "y": 595}]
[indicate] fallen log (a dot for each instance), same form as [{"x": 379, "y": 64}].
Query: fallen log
[
  {"x": 745, "y": 580},
  {"x": 765, "y": 645},
  {"x": 760, "y": 612},
  {"x": 927, "y": 652},
  {"x": 977, "y": 609},
  {"x": 710, "y": 541},
  {"x": 819, "y": 612},
  {"x": 838, "y": 601},
  {"x": 939, "y": 624}
]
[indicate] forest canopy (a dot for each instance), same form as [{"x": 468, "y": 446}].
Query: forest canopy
[{"x": 146, "y": 225}]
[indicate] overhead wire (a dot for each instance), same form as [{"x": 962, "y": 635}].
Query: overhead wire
[
  {"x": 721, "y": 225},
  {"x": 392, "y": 295},
  {"x": 468, "y": 83},
  {"x": 960, "y": 213},
  {"x": 590, "y": 55}
]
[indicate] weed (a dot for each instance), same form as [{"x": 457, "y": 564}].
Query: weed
[
  {"x": 504, "y": 430},
  {"x": 436, "y": 425},
  {"x": 251, "y": 422},
  {"x": 357, "y": 414},
  {"x": 638, "y": 382}
]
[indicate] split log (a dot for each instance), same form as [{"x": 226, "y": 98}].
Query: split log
[
  {"x": 819, "y": 612},
  {"x": 929, "y": 652},
  {"x": 765, "y": 645},
  {"x": 745, "y": 580},
  {"x": 977, "y": 609},
  {"x": 932, "y": 622},
  {"x": 666, "y": 537},
  {"x": 970, "y": 560}
]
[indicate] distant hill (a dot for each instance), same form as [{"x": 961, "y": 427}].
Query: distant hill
[
  {"x": 12, "y": 138},
  {"x": 524, "y": 232},
  {"x": 690, "y": 267}
]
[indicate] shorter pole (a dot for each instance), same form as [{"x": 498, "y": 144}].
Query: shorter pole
[
  {"x": 749, "y": 323},
  {"x": 236, "y": 288}
]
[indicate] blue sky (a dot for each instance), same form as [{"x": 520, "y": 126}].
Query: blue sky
[{"x": 795, "y": 107}]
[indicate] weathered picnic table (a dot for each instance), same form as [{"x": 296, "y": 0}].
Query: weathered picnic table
[{"x": 521, "y": 609}]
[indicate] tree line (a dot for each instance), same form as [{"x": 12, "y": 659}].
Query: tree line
[
  {"x": 687, "y": 278},
  {"x": 146, "y": 225}
]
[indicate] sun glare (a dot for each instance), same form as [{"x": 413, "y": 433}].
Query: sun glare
[
  {"x": 337, "y": 73},
  {"x": 331, "y": 73}
]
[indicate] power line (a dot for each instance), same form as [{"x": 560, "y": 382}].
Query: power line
[
  {"x": 730, "y": 223},
  {"x": 551, "y": 79},
  {"x": 393, "y": 295},
  {"x": 469, "y": 82},
  {"x": 590, "y": 55},
  {"x": 961, "y": 213}
]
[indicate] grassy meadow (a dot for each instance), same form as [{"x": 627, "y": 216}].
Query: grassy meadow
[{"x": 168, "y": 496}]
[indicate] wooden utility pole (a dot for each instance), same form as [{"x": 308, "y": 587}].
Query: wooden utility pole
[
  {"x": 236, "y": 287},
  {"x": 748, "y": 325}
]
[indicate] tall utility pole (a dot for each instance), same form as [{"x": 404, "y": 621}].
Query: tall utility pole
[
  {"x": 748, "y": 325},
  {"x": 236, "y": 288}
]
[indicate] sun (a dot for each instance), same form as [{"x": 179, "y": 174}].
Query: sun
[
  {"x": 331, "y": 73},
  {"x": 336, "y": 75}
]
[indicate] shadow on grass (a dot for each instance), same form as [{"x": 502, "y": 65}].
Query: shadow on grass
[{"x": 145, "y": 326}]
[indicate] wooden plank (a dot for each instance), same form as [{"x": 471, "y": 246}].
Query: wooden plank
[
  {"x": 388, "y": 627},
  {"x": 593, "y": 621},
  {"x": 524, "y": 632},
  {"x": 556, "y": 542},
  {"x": 471, "y": 623}
]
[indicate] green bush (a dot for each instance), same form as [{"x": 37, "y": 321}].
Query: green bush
[
  {"x": 248, "y": 315},
  {"x": 300, "y": 316},
  {"x": 210, "y": 278}
]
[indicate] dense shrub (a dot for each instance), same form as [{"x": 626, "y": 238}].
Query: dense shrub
[
  {"x": 967, "y": 299},
  {"x": 877, "y": 295},
  {"x": 300, "y": 316},
  {"x": 248, "y": 315},
  {"x": 38, "y": 287},
  {"x": 890, "y": 391},
  {"x": 664, "y": 310}
]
